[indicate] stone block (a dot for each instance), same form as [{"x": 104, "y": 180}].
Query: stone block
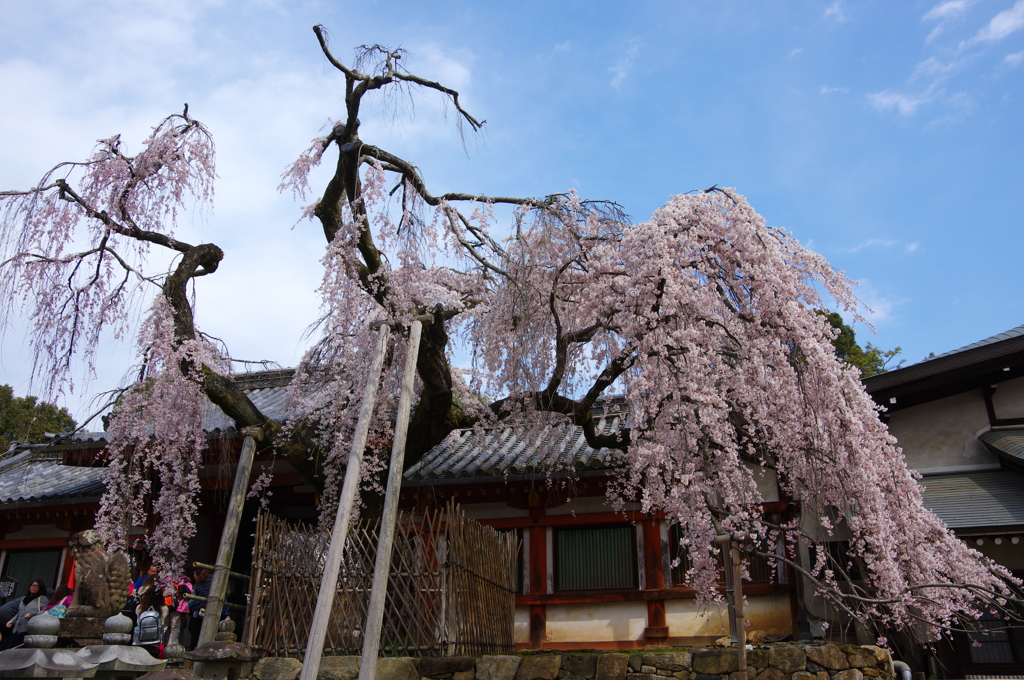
[
  {"x": 851, "y": 674},
  {"x": 787, "y": 659},
  {"x": 465, "y": 675},
  {"x": 581, "y": 665},
  {"x": 650, "y": 670},
  {"x": 611, "y": 667},
  {"x": 758, "y": 657},
  {"x": 706, "y": 676},
  {"x": 339, "y": 668},
  {"x": 749, "y": 676},
  {"x": 635, "y": 661},
  {"x": 669, "y": 662},
  {"x": 497, "y": 667},
  {"x": 828, "y": 656},
  {"x": 803, "y": 675},
  {"x": 858, "y": 656},
  {"x": 170, "y": 674},
  {"x": 871, "y": 672},
  {"x": 443, "y": 665},
  {"x": 772, "y": 674},
  {"x": 400, "y": 668},
  {"x": 566, "y": 675},
  {"x": 540, "y": 667},
  {"x": 822, "y": 675},
  {"x": 715, "y": 661},
  {"x": 277, "y": 668},
  {"x": 883, "y": 660},
  {"x": 639, "y": 676}
]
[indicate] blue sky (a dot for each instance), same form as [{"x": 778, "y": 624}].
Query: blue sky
[{"x": 887, "y": 136}]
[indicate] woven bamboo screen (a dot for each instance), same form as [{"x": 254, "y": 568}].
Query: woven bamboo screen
[{"x": 451, "y": 591}]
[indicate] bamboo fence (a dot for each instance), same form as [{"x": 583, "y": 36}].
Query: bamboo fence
[{"x": 451, "y": 589}]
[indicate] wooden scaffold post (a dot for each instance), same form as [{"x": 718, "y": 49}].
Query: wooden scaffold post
[
  {"x": 349, "y": 488},
  {"x": 382, "y": 564}
]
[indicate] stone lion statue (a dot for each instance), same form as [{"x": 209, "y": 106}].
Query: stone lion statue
[{"x": 101, "y": 580}]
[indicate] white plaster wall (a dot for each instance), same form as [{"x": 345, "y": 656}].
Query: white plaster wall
[
  {"x": 587, "y": 504},
  {"x": 38, "y": 531},
  {"x": 1008, "y": 400},
  {"x": 599, "y": 622},
  {"x": 492, "y": 510},
  {"x": 770, "y": 613},
  {"x": 943, "y": 433},
  {"x": 521, "y": 626}
]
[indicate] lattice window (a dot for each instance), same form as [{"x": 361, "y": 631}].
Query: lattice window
[{"x": 595, "y": 558}]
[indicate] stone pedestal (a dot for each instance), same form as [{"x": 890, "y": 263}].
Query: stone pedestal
[
  {"x": 83, "y": 630},
  {"x": 43, "y": 663},
  {"x": 223, "y": 660},
  {"x": 114, "y": 662}
]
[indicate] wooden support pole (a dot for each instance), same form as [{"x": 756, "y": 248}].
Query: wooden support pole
[
  {"x": 382, "y": 565},
  {"x": 229, "y": 605},
  {"x": 231, "y": 574},
  {"x": 739, "y": 622},
  {"x": 349, "y": 488},
  {"x": 219, "y": 585}
]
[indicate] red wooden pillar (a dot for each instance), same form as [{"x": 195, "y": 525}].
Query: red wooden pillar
[
  {"x": 538, "y": 582},
  {"x": 657, "y": 628}
]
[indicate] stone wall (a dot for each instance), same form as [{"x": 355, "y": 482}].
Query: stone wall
[{"x": 777, "y": 662}]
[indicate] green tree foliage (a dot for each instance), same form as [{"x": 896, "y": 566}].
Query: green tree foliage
[
  {"x": 870, "y": 360},
  {"x": 26, "y": 419}
]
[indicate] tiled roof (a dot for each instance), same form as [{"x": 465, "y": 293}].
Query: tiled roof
[
  {"x": 266, "y": 389},
  {"x": 34, "y": 475},
  {"x": 517, "y": 449},
  {"x": 1005, "y": 335},
  {"x": 976, "y": 499},
  {"x": 1008, "y": 441},
  {"x": 1003, "y": 349}
]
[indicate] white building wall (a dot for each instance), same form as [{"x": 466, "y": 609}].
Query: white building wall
[
  {"x": 942, "y": 435},
  {"x": 596, "y": 622}
]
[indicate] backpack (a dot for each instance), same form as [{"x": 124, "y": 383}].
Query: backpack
[{"x": 149, "y": 630}]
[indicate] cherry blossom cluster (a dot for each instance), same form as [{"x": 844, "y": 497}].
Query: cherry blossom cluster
[
  {"x": 73, "y": 246},
  {"x": 156, "y": 442}
]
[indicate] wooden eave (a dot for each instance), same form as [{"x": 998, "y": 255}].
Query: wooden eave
[{"x": 949, "y": 375}]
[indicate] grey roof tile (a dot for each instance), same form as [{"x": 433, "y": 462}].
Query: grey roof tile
[
  {"x": 517, "y": 449},
  {"x": 1008, "y": 441},
  {"x": 32, "y": 477},
  {"x": 976, "y": 499}
]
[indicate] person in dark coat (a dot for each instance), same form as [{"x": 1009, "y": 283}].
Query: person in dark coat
[{"x": 31, "y": 605}]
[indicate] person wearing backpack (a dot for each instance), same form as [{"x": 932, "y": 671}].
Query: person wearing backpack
[
  {"x": 149, "y": 632},
  {"x": 151, "y": 597}
]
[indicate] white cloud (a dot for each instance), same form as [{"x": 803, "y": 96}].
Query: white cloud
[
  {"x": 825, "y": 89},
  {"x": 444, "y": 66},
  {"x": 620, "y": 70},
  {"x": 564, "y": 47},
  {"x": 912, "y": 247},
  {"x": 936, "y": 32},
  {"x": 904, "y": 103},
  {"x": 872, "y": 243},
  {"x": 1003, "y": 24},
  {"x": 795, "y": 51},
  {"x": 947, "y": 10},
  {"x": 1013, "y": 59},
  {"x": 933, "y": 68},
  {"x": 835, "y": 13}
]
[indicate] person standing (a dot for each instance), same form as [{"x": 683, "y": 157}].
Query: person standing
[{"x": 31, "y": 605}]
